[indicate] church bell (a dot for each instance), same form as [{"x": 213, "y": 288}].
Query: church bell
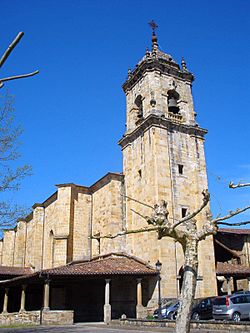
[{"x": 172, "y": 105}]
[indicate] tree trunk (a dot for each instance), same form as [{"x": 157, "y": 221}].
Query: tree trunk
[{"x": 188, "y": 286}]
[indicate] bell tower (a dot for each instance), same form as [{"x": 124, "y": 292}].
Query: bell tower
[{"x": 163, "y": 159}]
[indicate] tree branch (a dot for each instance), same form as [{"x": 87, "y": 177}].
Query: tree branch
[
  {"x": 238, "y": 224},
  {"x": 141, "y": 203},
  {"x": 206, "y": 198},
  {"x": 10, "y": 48},
  {"x": 127, "y": 232},
  {"x": 17, "y": 77},
  {"x": 232, "y": 185},
  {"x": 230, "y": 214}
]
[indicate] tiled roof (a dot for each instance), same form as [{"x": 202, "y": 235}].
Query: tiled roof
[
  {"x": 224, "y": 268},
  {"x": 9, "y": 270},
  {"x": 106, "y": 265},
  {"x": 235, "y": 231}
]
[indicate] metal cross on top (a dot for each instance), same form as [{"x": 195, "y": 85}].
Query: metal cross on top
[{"x": 153, "y": 25}]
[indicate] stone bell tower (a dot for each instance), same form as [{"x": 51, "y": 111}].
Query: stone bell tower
[{"x": 163, "y": 159}]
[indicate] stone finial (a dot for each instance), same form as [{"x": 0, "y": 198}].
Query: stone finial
[
  {"x": 183, "y": 64},
  {"x": 147, "y": 52},
  {"x": 154, "y": 26},
  {"x": 154, "y": 41},
  {"x": 129, "y": 73}
]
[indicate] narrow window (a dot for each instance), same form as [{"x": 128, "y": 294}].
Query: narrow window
[
  {"x": 139, "y": 172},
  {"x": 180, "y": 169},
  {"x": 183, "y": 212}
]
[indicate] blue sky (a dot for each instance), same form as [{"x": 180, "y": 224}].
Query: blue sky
[{"x": 73, "y": 112}]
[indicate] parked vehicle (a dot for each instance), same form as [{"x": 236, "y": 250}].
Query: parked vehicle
[
  {"x": 172, "y": 311},
  {"x": 170, "y": 306},
  {"x": 246, "y": 292},
  {"x": 232, "y": 307},
  {"x": 202, "y": 309}
]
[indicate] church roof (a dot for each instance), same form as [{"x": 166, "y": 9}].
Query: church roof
[
  {"x": 235, "y": 231},
  {"x": 157, "y": 60}
]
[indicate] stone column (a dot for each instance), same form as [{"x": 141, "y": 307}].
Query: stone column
[
  {"x": 139, "y": 306},
  {"x": 107, "y": 306},
  {"x": 229, "y": 289},
  {"x": 5, "y": 302},
  {"x": 248, "y": 279},
  {"x": 46, "y": 296},
  {"x": 22, "y": 307}
]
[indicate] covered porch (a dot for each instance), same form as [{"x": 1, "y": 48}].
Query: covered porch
[
  {"x": 100, "y": 289},
  {"x": 232, "y": 278}
]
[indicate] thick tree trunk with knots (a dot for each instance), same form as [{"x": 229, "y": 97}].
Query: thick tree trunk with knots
[{"x": 188, "y": 286}]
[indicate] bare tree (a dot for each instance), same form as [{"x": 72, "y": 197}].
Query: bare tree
[
  {"x": 5, "y": 57},
  {"x": 10, "y": 173},
  {"x": 185, "y": 232}
]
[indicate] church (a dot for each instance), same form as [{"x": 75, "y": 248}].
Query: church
[{"x": 56, "y": 259}]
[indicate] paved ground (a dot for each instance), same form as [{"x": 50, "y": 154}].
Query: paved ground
[{"x": 97, "y": 328}]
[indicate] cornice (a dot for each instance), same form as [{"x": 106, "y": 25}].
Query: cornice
[
  {"x": 162, "y": 122},
  {"x": 163, "y": 66}
]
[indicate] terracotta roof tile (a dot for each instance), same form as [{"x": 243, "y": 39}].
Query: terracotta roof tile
[
  {"x": 235, "y": 231},
  {"x": 224, "y": 268},
  {"x": 111, "y": 265},
  {"x": 9, "y": 270}
]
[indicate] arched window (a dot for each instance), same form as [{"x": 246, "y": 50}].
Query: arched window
[
  {"x": 173, "y": 97},
  {"x": 138, "y": 103}
]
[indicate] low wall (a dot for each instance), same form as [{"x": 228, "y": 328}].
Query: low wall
[
  {"x": 57, "y": 317},
  {"x": 24, "y": 317},
  {"x": 211, "y": 326},
  {"x": 45, "y": 317}
]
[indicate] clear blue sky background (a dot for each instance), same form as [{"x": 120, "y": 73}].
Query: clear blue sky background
[{"x": 73, "y": 112}]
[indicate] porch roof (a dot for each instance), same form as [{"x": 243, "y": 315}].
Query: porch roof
[
  {"x": 15, "y": 271},
  {"x": 111, "y": 264},
  {"x": 106, "y": 265},
  {"x": 228, "y": 269}
]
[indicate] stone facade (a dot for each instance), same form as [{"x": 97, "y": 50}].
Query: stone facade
[{"x": 163, "y": 158}]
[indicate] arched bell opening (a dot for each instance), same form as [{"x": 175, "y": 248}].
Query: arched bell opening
[
  {"x": 139, "y": 105},
  {"x": 173, "y": 98}
]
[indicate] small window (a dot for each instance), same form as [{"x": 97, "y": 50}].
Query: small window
[
  {"x": 183, "y": 212},
  {"x": 180, "y": 169},
  {"x": 139, "y": 172}
]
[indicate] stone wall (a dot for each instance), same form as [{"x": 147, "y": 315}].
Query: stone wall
[
  {"x": 64, "y": 317},
  {"x": 25, "y": 317},
  {"x": 20, "y": 240},
  {"x": 209, "y": 326},
  {"x": 107, "y": 217},
  {"x": 33, "y": 317}
]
